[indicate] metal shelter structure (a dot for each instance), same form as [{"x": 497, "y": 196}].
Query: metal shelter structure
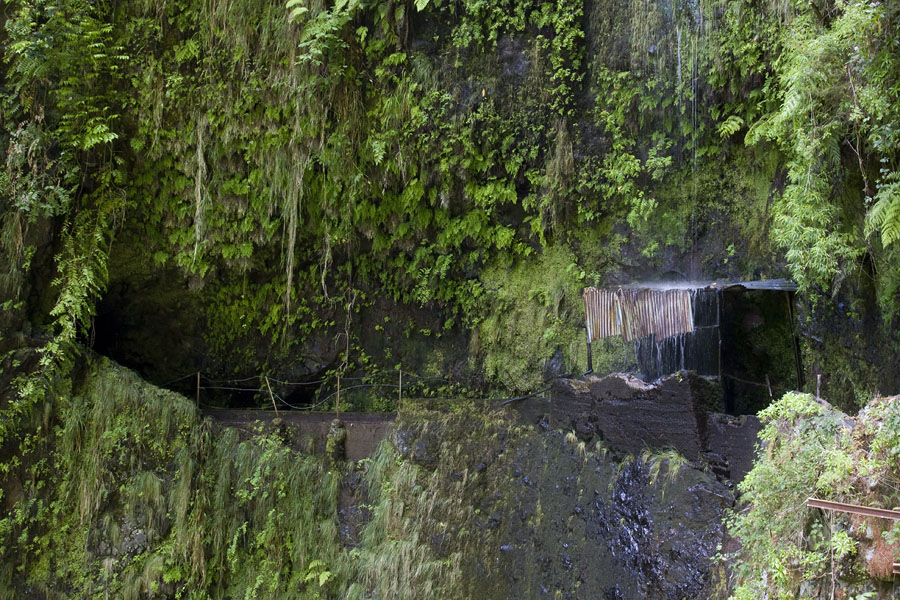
[{"x": 689, "y": 319}]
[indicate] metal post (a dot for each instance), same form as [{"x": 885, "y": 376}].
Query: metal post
[
  {"x": 795, "y": 340},
  {"x": 590, "y": 360},
  {"x": 400, "y": 390},
  {"x": 198, "y": 390}
]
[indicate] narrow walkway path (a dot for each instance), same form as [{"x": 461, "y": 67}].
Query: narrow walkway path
[{"x": 364, "y": 430}]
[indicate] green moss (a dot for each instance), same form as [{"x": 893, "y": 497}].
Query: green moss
[
  {"x": 535, "y": 308},
  {"x": 150, "y": 498}
]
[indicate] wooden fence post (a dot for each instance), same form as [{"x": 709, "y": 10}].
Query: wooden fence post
[
  {"x": 337, "y": 400},
  {"x": 271, "y": 395}
]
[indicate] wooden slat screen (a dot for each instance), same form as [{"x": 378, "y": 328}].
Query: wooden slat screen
[{"x": 637, "y": 313}]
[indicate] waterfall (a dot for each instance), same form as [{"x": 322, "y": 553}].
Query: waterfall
[{"x": 697, "y": 350}]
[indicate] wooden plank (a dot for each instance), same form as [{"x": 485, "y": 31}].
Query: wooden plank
[{"x": 856, "y": 509}]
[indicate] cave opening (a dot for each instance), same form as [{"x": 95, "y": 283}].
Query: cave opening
[{"x": 151, "y": 326}]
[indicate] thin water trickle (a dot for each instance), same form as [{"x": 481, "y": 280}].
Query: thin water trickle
[
  {"x": 658, "y": 356},
  {"x": 678, "y": 74},
  {"x": 694, "y": 351}
]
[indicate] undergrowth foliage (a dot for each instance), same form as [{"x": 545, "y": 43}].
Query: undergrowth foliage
[
  {"x": 62, "y": 162},
  {"x": 149, "y": 501},
  {"x": 132, "y": 495},
  {"x": 809, "y": 449}
]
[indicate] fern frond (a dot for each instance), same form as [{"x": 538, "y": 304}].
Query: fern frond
[
  {"x": 885, "y": 213},
  {"x": 730, "y": 126}
]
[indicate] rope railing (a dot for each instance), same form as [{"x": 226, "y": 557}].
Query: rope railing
[{"x": 408, "y": 381}]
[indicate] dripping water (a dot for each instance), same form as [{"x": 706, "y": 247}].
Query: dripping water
[
  {"x": 697, "y": 351},
  {"x": 678, "y": 74}
]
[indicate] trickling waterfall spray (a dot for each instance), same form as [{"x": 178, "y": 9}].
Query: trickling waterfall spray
[
  {"x": 673, "y": 328},
  {"x": 680, "y": 326},
  {"x": 678, "y": 73}
]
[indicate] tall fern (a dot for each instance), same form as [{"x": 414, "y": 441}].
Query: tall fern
[{"x": 884, "y": 217}]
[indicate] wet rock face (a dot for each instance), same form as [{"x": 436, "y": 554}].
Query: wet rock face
[
  {"x": 353, "y": 512},
  {"x": 131, "y": 537},
  {"x": 543, "y": 514},
  {"x": 630, "y": 416},
  {"x": 135, "y": 539},
  {"x": 732, "y": 441},
  {"x": 420, "y": 447},
  {"x": 592, "y": 502},
  {"x": 556, "y": 366},
  {"x": 585, "y": 526}
]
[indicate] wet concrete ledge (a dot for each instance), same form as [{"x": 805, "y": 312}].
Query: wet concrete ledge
[
  {"x": 625, "y": 413},
  {"x": 364, "y": 430}
]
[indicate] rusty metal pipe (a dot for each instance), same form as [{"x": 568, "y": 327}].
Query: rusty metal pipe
[{"x": 856, "y": 509}]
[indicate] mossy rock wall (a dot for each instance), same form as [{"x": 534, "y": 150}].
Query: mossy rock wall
[{"x": 134, "y": 496}]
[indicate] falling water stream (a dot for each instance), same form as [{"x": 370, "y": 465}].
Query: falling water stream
[{"x": 696, "y": 351}]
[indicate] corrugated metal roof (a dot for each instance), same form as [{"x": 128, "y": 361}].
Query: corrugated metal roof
[{"x": 769, "y": 284}]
